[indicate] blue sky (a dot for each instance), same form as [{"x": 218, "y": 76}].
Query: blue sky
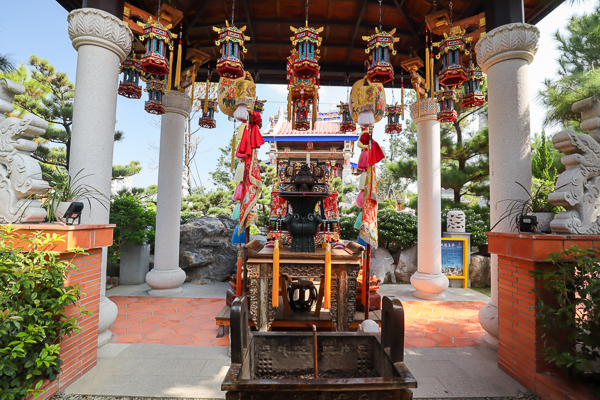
[{"x": 44, "y": 32}]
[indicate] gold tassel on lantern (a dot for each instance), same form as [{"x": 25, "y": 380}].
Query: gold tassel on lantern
[
  {"x": 193, "y": 87},
  {"x": 170, "y": 69},
  {"x": 289, "y": 105},
  {"x": 427, "y": 82},
  {"x": 328, "y": 277},
  {"x": 314, "y": 109},
  {"x": 431, "y": 78},
  {"x": 275, "y": 301},
  {"x": 418, "y": 102},
  {"x": 233, "y": 144},
  {"x": 178, "y": 69},
  {"x": 402, "y": 100}
]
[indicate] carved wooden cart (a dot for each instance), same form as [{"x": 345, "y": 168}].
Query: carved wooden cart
[
  {"x": 345, "y": 265},
  {"x": 280, "y": 365}
]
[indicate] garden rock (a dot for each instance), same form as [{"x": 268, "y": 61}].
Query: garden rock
[
  {"x": 382, "y": 265},
  {"x": 261, "y": 238},
  {"x": 206, "y": 253},
  {"x": 407, "y": 264},
  {"x": 479, "y": 271}
]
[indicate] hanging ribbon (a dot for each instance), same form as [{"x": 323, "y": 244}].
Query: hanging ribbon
[
  {"x": 251, "y": 138},
  {"x": 375, "y": 153},
  {"x": 275, "y": 300},
  {"x": 327, "y": 282}
]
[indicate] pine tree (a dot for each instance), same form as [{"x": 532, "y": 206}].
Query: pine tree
[{"x": 579, "y": 77}]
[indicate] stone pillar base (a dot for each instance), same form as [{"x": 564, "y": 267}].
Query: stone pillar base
[
  {"x": 107, "y": 314},
  {"x": 429, "y": 286},
  {"x": 165, "y": 282},
  {"x": 488, "y": 318}
]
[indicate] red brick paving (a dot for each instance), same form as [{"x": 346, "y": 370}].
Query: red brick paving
[{"x": 182, "y": 320}]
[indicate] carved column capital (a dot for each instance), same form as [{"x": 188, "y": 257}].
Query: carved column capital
[
  {"x": 177, "y": 102},
  {"x": 506, "y": 42},
  {"x": 429, "y": 110},
  {"x": 90, "y": 26}
]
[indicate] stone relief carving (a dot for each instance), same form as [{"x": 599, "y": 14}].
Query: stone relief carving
[
  {"x": 20, "y": 175},
  {"x": 428, "y": 107},
  {"x": 177, "y": 102},
  {"x": 516, "y": 37},
  {"x": 456, "y": 221},
  {"x": 90, "y": 25},
  {"x": 578, "y": 188}
]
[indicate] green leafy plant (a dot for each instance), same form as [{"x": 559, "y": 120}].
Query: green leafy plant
[
  {"x": 397, "y": 230},
  {"x": 64, "y": 187},
  {"x": 569, "y": 312},
  {"x": 135, "y": 224},
  {"x": 347, "y": 230},
  {"x": 33, "y": 312},
  {"x": 535, "y": 201}
]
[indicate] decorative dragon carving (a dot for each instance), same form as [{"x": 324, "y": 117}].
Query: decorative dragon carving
[{"x": 20, "y": 174}]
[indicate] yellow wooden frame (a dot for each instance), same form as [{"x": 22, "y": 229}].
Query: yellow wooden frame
[{"x": 465, "y": 276}]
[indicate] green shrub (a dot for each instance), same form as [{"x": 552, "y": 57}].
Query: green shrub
[
  {"x": 135, "y": 224},
  {"x": 474, "y": 224},
  {"x": 347, "y": 230},
  {"x": 397, "y": 230},
  {"x": 570, "y": 316},
  {"x": 33, "y": 300}
]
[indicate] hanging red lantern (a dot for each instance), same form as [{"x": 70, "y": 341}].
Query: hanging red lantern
[
  {"x": 452, "y": 50},
  {"x": 446, "y": 99},
  {"x": 302, "y": 122},
  {"x": 130, "y": 85},
  {"x": 305, "y": 58},
  {"x": 473, "y": 95},
  {"x": 347, "y": 125},
  {"x": 207, "y": 120},
  {"x": 231, "y": 40},
  {"x": 393, "y": 113},
  {"x": 380, "y": 46},
  {"x": 157, "y": 39},
  {"x": 156, "y": 91}
]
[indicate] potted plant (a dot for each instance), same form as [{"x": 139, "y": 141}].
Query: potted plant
[
  {"x": 536, "y": 203},
  {"x": 66, "y": 189}
]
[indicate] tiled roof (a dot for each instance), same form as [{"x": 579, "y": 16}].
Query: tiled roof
[{"x": 327, "y": 124}]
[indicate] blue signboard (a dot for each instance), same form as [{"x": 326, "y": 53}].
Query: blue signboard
[{"x": 454, "y": 259}]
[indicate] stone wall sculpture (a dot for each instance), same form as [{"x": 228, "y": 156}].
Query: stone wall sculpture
[
  {"x": 456, "y": 221},
  {"x": 578, "y": 188},
  {"x": 20, "y": 174}
]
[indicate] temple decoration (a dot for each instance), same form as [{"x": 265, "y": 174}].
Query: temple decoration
[
  {"x": 578, "y": 188},
  {"x": 305, "y": 58},
  {"x": 231, "y": 41},
  {"x": 130, "y": 85},
  {"x": 452, "y": 49},
  {"x": 393, "y": 113},
  {"x": 367, "y": 97},
  {"x": 347, "y": 125},
  {"x": 157, "y": 39},
  {"x": 446, "y": 99},
  {"x": 473, "y": 95},
  {"x": 412, "y": 66},
  {"x": 235, "y": 92},
  {"x": 302, "y": 122},
  {"x": 259, "y": 106},
  {"x": 209, "y": 107},
  {"x": 156, "y": 91},
  {"x": 380, "y": 46}
]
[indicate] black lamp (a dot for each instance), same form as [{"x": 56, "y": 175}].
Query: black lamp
[{"x": 73, "y": 212}]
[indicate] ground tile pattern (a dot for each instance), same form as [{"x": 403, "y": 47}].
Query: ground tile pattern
[
  {"x": 167, "y": 320},
  {"x": 442, "y": 323},
  {"x": 187, "y": 321}
]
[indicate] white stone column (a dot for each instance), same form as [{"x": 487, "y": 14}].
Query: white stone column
[
  {"x": 166, "y": 277},
  {"x": 102, "y": 42},
  {"x": 429, "y": 281},
  {"x": 504, "y": 54}
]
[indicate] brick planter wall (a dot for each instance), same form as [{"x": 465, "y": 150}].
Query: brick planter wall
[
  {"x": 520, "y": 346},
  {"x": 78, "y": 352}
]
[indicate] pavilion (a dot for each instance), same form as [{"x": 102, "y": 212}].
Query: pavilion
[{"x": 103, "y": 41}]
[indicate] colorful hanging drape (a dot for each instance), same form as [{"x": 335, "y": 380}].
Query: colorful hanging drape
[
  {"x": 252, "y": 186},
  {"x": 368, "y": 227}
]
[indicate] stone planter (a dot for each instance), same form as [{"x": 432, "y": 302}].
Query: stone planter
[
  {"x": 135, "y": 264},
  {"x": 544, "y": 219}
]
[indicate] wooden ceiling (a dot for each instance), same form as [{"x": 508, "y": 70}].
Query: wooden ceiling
[{"x": 345, "y": 21}]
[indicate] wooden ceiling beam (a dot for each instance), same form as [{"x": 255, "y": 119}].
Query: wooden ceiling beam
[
  {"x": 289, "y": 45},
  {"x": 402, "y": 11},
  {"x": 361, "y": 11},
  {"x": 249, "y": 22},
  {"x": 202, "y": 4}
]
